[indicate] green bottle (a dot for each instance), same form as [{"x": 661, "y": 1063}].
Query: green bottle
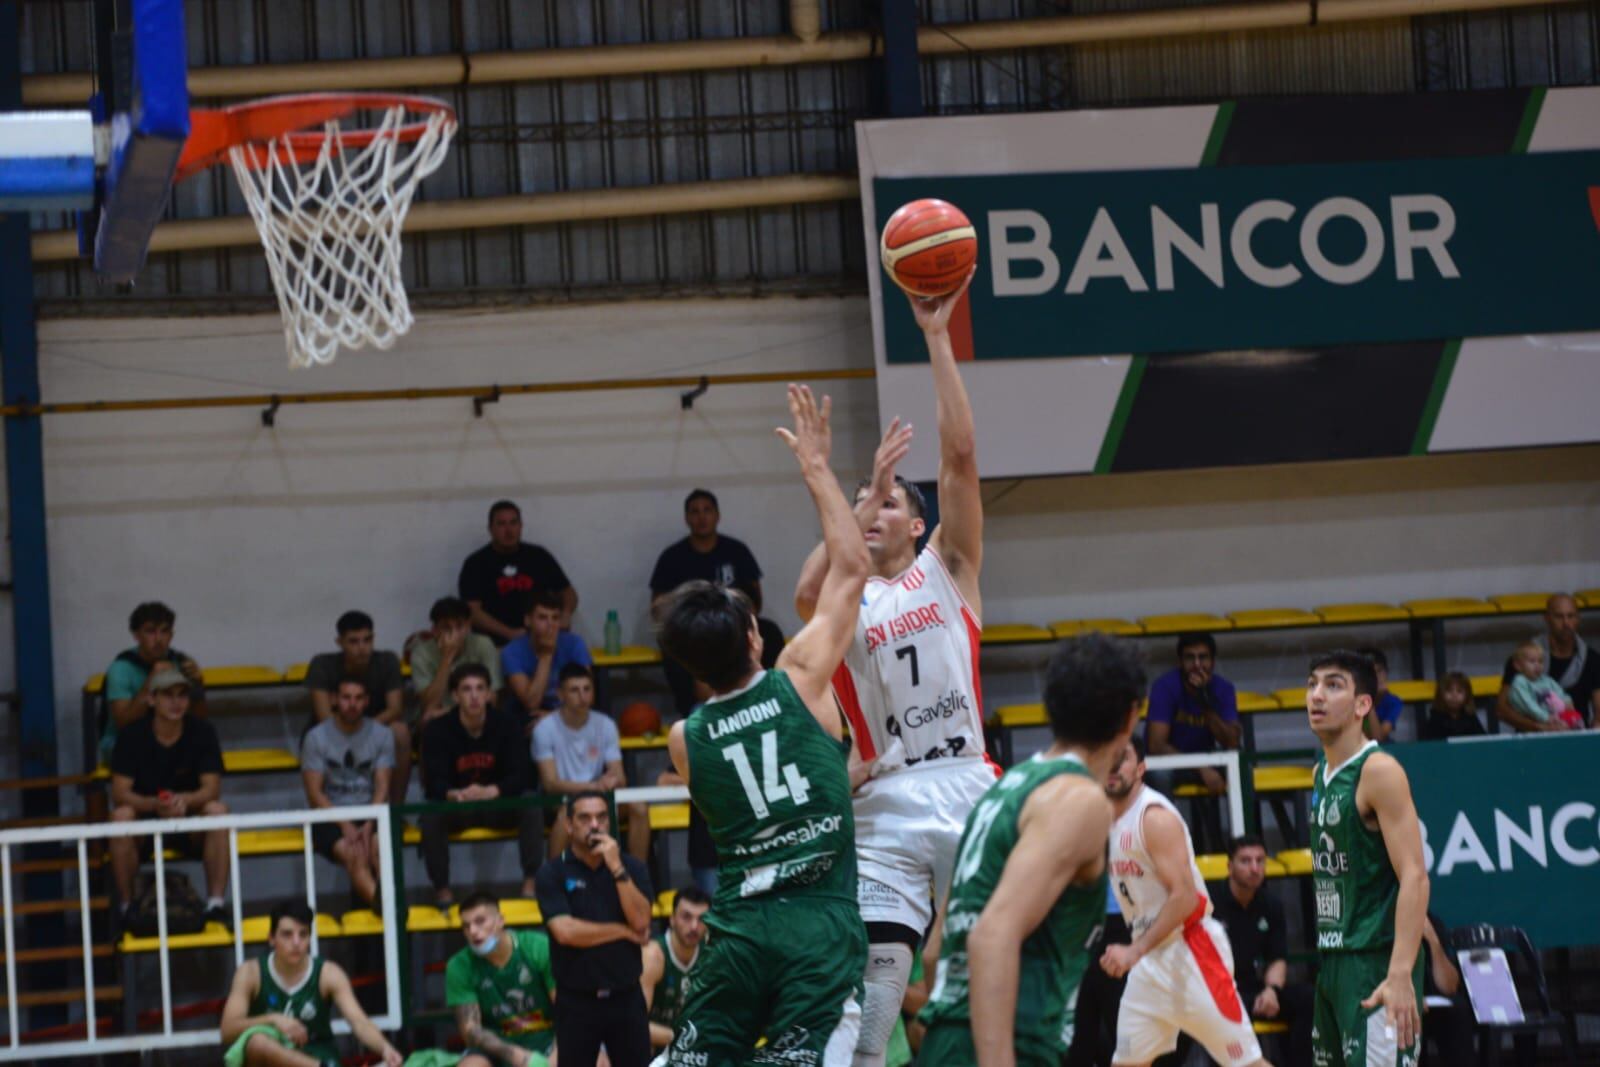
[{"x": 613, "y": 634}]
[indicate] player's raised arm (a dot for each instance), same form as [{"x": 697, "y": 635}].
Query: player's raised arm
[
  {"x": 811, "y": 658},
  {"x": 960, "y": 532},
  {"x": 891, "y": 450},
  {"x": 1385, "y": 789},
  {"x": 1061, "y": 836}
]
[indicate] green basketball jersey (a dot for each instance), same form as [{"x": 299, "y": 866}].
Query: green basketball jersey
[
  {"x": 673, "y": 987},
  {"x": 516, "y": 1000},
  {"x": 1054, "y": 956},
  {"x": 305, "y": 1002},
  {"x": 775, "y": 794},
  {"x": 1355, "y": 884}
]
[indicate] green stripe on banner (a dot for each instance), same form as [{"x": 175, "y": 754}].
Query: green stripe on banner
[
  {"x": 1430, "y": 410},
  {"x": 1219, "y": 133},
  {"x": 1119, "y": 415},
  {"x": 1530, "y": 119}
]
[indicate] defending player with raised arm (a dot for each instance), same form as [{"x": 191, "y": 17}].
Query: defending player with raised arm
[
  {"x": 1029, "y": 889},
  {"x": 765, "y": 764},
  {"x": 1369, "y": 880},
  {"x": 1179, "y": 965},
  {"x": 278, "y": 1012},
  {"x": 909, "y": 683}
]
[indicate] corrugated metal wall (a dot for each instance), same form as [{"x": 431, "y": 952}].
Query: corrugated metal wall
[{"x": 632, "y": 131}]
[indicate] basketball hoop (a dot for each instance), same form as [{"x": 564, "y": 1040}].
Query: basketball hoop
[{"x": 329, "y": 178}]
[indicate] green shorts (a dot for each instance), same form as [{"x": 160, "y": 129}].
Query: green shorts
[
  {"x": 788, "y": 969},
  {"x": 1343, "y": 1033},
  {"x": 949, "y": 1044},
  {"x": 325, "y": 1053}
]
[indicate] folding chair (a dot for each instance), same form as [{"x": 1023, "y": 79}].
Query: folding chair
[{"x": 1532, "y": 994}]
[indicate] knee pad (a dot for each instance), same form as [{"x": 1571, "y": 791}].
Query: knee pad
[{"x": 888, "y": 970}]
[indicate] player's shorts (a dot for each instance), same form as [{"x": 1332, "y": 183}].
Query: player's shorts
[
  {"x": 787, "y": 968},
  {"x": 949, "y": 1044},
  {"x": 908, "y": 828},
  {"x": 1343, "y": 1033},
  {"x": 1186, "y": 984}
]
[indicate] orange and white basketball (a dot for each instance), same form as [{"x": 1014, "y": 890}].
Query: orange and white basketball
[{"x": 927, "y": 247}]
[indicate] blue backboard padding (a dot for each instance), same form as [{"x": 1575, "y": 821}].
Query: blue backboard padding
[
  {"x": 161, "y": 70},
  {"x": 60, "y": 183}
]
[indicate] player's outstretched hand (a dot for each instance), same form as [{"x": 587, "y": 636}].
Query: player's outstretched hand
[
  {"x": 891, "y": 450},
  {"x": 391, "y": 1056},
  {"x": 1399, "y": 999},
  {"x": 811, "y": 440},
  {"x": 933, "y": 312},
  {"x": 1118, "y": 960}
]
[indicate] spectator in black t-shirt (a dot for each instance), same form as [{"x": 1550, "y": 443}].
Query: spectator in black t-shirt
[
  {"x": 476, "y": 752},
  {"x": 705, "y": 556},
  {"x": 498, "y": 579},
  {"x": 1568, "y": 659},
  {"x": 169, "y": 766},
  {"x": 1452, "y": 713},
  {"x": 596, "y": 904},
  {"x": 379, "y": 672},
  {"x": 1257, "y": 932}
]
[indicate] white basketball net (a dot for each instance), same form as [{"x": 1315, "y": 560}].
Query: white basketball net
[{"x": 331, "y": 230}]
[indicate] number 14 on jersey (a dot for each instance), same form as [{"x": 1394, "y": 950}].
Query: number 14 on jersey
[{"x": 777, "y": 783}]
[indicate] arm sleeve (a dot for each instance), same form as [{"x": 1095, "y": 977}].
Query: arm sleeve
[
  {"x": 537, "y": 943},
  {"x": 551, "y": 891},
  {"x": 660, "y": 577},
  {"x": 459, "y": 988},
  {"x": 544, "y": 742},
  {"x": 747, "y": 563},
  {"x": 613, "y": 743},
  {"x": 489, "y": 656},
  {"x": 516, "y": 658},
  {"x": 469, "y": 585},
  {"x": 323, "y": 672},
  {"x": 1277, "y": 936},
  {"x": 424, "y": 662},
  {"x": 122, "y": 680},
  {"x": 389, "y": 672},
  {"x": 312, "y": 755},
  {"x": 385, "y": 756},
  {"x": 1227, "y": 701}
]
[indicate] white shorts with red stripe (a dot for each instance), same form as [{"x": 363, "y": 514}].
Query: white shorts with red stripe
[
  {"x": 1186, "y": 984},
  {"x": 908, "y": 828}
]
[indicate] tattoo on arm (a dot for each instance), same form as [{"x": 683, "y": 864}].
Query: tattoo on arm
[{"x": 469, "y": 1020}]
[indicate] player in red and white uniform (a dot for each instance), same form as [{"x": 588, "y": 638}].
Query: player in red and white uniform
[
  {"x": 909, "y": 686},
  {"x": 1180, "y": 965}
]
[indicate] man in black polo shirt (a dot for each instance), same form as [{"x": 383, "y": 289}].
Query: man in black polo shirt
[
  {"x": 596, "y": 904},
  {"x": 1256, "y": 930}
]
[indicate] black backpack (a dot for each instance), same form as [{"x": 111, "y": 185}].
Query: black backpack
[{"x": 186, "y": 911}]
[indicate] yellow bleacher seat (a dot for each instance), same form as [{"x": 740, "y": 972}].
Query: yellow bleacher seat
[
  {"x": 362, "y": 923},
  {"x": 483, "y": 833},
  {"x": 1074, "y": 627},
  {"x": 95, "y": 684},
  {"x": 1213, "y": 866},
  {"x": 669, "y": 817},
  {"x": 240, "y": 677},
  {"x": 296, "y": 673},
  {"x": 1521, "y": 603},
  {"x": 628, "y": 656},
  {"x": 1282, "y": 778},
  {"x": 663, "y": 905},
  {"x": 271, "y": 842},
  {"x": 1486, "y": 685},
  {"x": 1269, "y": 1026},
  {"x": 1448, "y": 607},
  {"x": 411, "y": 835},
  {"x": 1359, "y": 613},
  {"x": 1015, "y": 634},
  {"x": 1292, "y": 698},
  {"x": 518, "y": 912},
  {"x": 647, "y": 742},
  {"x": 1012, "y": 716},
  {"x": 1256, "y": 702},
  {"x": 1413, "y": 691},
  {"x": 1588, "y": 598},
  {"x": 424, "y": 918},
  {"x": 258, "y": 760},
  {"x": 254, "y": 931},
  {"x": 1273, "y": 619},
  {"x": 1183, "y": 622},
  {"x": 1296, "y": 861}
]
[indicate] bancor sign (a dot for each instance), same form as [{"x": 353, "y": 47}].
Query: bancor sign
[
  {"x": 1511, "y": 832},
  {"x": 1211, "y": 258}
]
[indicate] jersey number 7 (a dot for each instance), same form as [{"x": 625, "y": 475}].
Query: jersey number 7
[{"x": 785, "y": 783}]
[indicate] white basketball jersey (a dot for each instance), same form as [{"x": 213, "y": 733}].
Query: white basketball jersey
[
  {"x": 909, "y": 681},
  {"x": 1139, "y": 891}
]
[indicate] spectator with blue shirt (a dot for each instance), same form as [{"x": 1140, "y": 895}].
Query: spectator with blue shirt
[
  {"x": 578, "y": 751},
  {"x": 533, "y": 662},
  {"x": 1386, "y": 707}
]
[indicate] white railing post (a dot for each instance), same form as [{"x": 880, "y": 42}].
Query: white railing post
[
  {"x": 311, "y": 884},
  {"x": 392, "y": 917},
  {"x": 238, "y": 896},
  {"x": 88, "y": 941},
  {"x": 11, "y": 946},
  {"x": 161, "y": 934}
]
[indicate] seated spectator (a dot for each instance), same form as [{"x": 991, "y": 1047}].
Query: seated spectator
[
  {"x": 1536, "y": 695},
  {"x": 668, "y": 961},
  {"x": 1452, "y": 1029},
  {"x": 534, "y": 661},
  {"x": 379, "y": 672},
  {"x": 1386, "y": 707},
  {"x": 501, "y": 989},
  {"x": 1259, "y": 936},
  {"x": 345, "y": 761},
  {"x": 1194, "y": 709},
  {"x": 449, "y": 644},
  {"x": 497, "y": 580},
  {"x": 279, "y": 1011},
  {"x": 1573, "y": 663},
  {"x": 126, "y": 693},
  {"x": 473, "y": 753},
  {"x": 705, "y": 555},
  {"x": 1452, "y": 713},
  {"x": 577, "y": 750},
  {"x": 169, "y": 766}
]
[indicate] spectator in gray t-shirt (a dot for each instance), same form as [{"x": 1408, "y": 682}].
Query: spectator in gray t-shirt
[
  {"x": 377, "y": 670},
  {"x": 348, "y": 759},
  {"x": 578, "y": 750}
]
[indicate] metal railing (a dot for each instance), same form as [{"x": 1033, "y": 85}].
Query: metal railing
[{"x": 167, "y": 1038}]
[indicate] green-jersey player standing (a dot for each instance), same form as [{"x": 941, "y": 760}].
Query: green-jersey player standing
[
  {"x": 1369, "y": 880},
  {"x": 1029, "y": 890},
  {"x": 765, "y": 764}
]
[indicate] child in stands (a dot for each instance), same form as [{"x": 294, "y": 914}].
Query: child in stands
[
  {"x": 1536, "y": 694},
  {"x": 1452, "y": 713}
]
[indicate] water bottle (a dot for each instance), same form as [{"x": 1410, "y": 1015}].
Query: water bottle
[{"x": 613, "y": 634}]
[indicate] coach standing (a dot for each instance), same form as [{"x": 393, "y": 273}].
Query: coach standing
[{"x": 596, "y": 905}]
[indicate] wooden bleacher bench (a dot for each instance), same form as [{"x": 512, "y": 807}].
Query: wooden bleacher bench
[{"x": 1116, "y": 627}]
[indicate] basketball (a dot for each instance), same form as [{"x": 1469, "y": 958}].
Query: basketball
[
  {"x": 639, "y": 719},
  {"x": 927, "y": 247}
]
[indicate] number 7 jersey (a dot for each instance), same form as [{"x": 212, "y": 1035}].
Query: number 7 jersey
[{"x": 909, "y": 681}]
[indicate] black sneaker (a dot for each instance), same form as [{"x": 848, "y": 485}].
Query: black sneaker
[{"x": 218, "y": 914}]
